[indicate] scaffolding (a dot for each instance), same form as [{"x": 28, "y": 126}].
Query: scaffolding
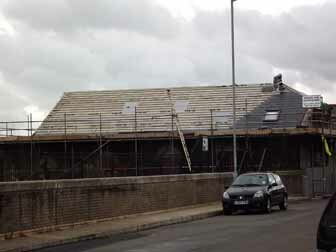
[{"x": 25, "y": 154}]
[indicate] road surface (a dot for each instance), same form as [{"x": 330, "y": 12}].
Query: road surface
[{"x": 290, "y": 231}]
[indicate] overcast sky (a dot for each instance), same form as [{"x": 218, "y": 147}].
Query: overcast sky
[{"x": 48, "y": 47}]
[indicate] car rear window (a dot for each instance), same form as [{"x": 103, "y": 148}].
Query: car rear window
[{"x": 251, "y": 180}]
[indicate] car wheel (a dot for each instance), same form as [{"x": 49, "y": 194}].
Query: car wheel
[
  {"x": 284, "y": 204},
  {"x": 268, "y": 206}
]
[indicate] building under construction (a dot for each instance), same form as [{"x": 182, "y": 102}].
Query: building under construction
[{"x": 182, "y": 130}]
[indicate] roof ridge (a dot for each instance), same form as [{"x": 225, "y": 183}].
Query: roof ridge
[{"x": 170, "y": 87}]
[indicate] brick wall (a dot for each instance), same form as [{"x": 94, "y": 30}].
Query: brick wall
[{"x": 39, "y": 204}]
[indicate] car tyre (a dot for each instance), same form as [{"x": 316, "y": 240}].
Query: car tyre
[
  {"x": 284, "y": 204},
  {"x": 268, "y": 206}
]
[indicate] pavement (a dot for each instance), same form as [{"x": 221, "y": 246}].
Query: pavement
[{"x": 114, "y": 228}]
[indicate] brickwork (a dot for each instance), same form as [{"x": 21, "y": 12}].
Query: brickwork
[{"x": 40, "y": 204}]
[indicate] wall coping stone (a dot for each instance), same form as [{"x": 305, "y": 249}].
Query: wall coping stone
[{"x": 37, "y": 185}]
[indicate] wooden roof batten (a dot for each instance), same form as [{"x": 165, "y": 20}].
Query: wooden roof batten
[
  {"x": 167, "y": 135},
  {"x": 200, "y": 108},
  {"x": 146, "y": 113}
]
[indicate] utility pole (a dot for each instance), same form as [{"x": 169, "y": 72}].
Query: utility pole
[{"x": 233, "y": 93}]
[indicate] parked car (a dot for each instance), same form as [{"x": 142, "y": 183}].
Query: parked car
[
  {"x": 259, "y": 191},
  {"x": 326, "y": 234}
]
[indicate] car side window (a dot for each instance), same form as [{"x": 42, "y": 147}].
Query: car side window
[
  {"x": 271, "y": 179},
  {"x": 277, "y": 179}
]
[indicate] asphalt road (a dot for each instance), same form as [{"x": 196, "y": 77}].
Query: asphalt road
[{"x": 293, "y": 230}]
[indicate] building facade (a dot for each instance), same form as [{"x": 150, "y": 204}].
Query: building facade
[{"x": 135, "y": 133}]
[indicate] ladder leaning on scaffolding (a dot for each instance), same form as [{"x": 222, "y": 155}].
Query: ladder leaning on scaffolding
[{"x": 177, "y": 123}]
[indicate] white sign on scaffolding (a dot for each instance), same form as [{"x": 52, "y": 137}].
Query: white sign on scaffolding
[
  {"x": 205, "y": 143},
  {"x": 312, "y": 101}
]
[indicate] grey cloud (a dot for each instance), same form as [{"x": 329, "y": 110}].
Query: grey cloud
[
  {"x": 301, "y": 40},
  {"x": 41, "y": 63},
  {"x": 73, "y": 15},
  {"x": 12, "y": 105}
]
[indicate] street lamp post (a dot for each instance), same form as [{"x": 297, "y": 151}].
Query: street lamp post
[{"x": 233, "y": 93}]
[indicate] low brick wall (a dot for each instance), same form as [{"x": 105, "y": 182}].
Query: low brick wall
[{"x": 39, "y": 204}]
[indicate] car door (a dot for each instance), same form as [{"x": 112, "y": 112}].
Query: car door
[
  {"x": 273, "y": 190},
  {"x": 326, "y": 235},
  {"x": 281, "y": 187}
]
